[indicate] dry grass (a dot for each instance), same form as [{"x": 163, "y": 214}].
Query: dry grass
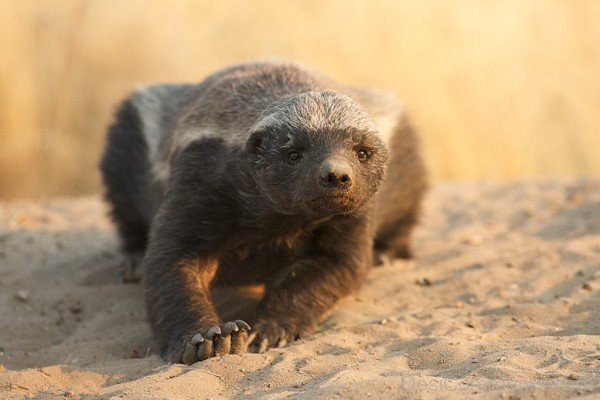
[{"x": 498, "y": 88}]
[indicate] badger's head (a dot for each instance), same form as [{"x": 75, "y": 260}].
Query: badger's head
[{"x": 318, "y": 153}]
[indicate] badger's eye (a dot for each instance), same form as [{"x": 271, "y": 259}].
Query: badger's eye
[
  {"x": 294, "y": 155},
  {"x": 363, "y": 154}
]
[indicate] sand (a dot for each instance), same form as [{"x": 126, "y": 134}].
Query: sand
[{"x": 503, "y": 301}]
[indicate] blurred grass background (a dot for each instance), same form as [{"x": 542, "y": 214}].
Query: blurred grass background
[{"x": 499, "y": 89}]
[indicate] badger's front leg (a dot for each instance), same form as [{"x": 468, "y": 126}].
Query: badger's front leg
[
  {"x": 179, "y": 265},
  {"x": 332, "y": 267},
  {"x": 182, "y": 314}
]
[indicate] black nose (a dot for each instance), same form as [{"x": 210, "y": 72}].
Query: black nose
[{"x": 335, "y": 174}]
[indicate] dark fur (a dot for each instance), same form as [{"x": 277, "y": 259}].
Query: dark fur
[
  {"x": 235, "y": 209},
  {"x": 125, "y": 168}
]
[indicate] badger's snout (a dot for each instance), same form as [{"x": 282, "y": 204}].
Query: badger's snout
[{"x": 335, "y": 173}]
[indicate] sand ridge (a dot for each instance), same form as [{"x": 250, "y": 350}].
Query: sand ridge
[{"x": 503, "y": 301}]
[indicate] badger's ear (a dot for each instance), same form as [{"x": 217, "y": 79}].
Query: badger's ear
[{"x": 254, "y": 144}]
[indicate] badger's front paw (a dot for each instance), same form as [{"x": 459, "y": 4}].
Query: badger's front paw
[
  {"x": 229, "y": 338},
  {"x": 268, "y": 333}
]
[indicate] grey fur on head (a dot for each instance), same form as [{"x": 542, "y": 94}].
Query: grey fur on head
[{"x": 314, "y": 111}]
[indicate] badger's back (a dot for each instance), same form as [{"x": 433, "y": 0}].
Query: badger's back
[{"x": 229, "y": 102}]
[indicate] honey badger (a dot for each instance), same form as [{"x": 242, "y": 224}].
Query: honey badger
[{"x": 264, "y": 173}]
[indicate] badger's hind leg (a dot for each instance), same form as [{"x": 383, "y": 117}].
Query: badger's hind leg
[
  {"x": 130, "y": 272},
  {"x": 125, "y": 171},
  {"x": 399, "y": 200},
  {"x": 394, "y": 239}
]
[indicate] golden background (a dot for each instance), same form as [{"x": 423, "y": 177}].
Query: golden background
[{"x": 499, "y": 89}]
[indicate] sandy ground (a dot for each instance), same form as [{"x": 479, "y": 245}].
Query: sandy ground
[{"x": 503, "y": 301}]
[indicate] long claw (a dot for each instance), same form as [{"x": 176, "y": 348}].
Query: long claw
[
  {"x": 228, "y": 328},
  {"x": 242, "y": 324},
  {"x": 282, "y": 343},
  {"x": 215, "y": 330},
  {"x": 197, "y": 338}
]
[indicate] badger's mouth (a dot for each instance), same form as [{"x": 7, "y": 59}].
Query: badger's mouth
[{"x": 333, "y": 204}]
